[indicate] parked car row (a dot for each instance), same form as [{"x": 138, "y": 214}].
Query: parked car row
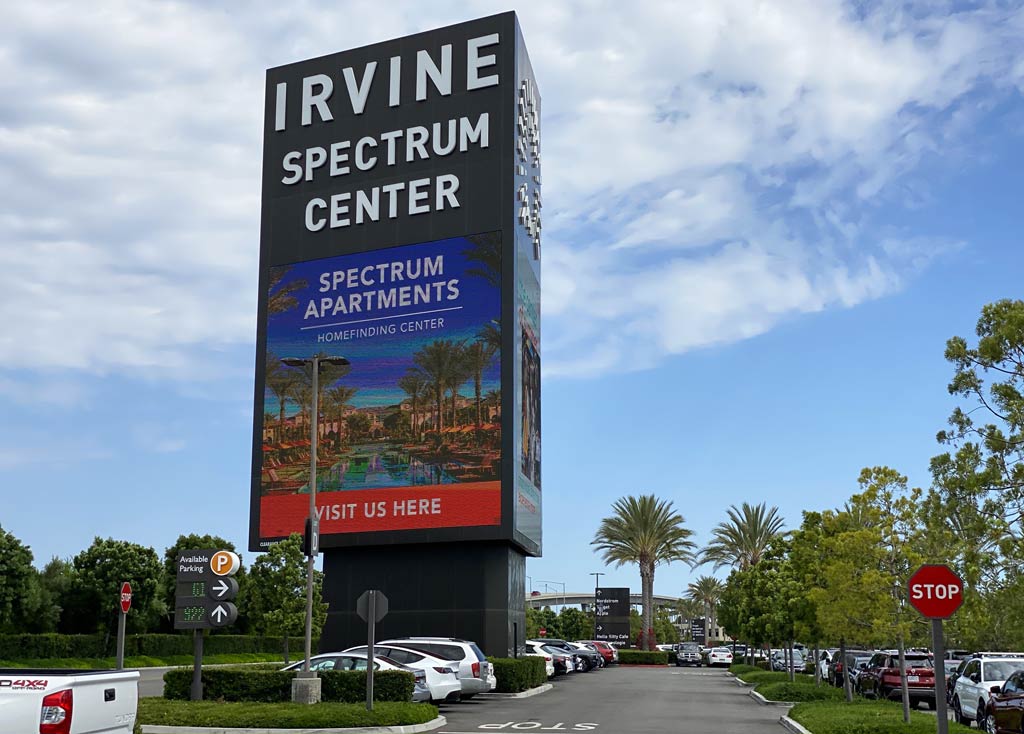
[
  {"x": 986, "y": 688},
  {"x": 572, "y": 657},
  {"x": 691, "y": 653},
  {"x": 445, "y": 668}
]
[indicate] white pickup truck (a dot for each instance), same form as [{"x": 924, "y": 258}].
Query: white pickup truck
[{"x": 41, "y": 701}]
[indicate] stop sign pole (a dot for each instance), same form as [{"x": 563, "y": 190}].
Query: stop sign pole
[
  {"x": 937, "y": 592},
  {"x": 125, "y": 599}
]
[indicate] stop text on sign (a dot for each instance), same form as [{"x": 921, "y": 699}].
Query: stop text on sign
[{"x": 934, "y": 591}]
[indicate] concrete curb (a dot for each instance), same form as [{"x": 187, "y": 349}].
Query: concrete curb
[
  {"x": 412, "y": 729},
  {"x": 792, "y": 726},
  {"x": 765, "y": 702},
  {"x": 522, "y": 694},
  {"x": 741, "y": 683}
]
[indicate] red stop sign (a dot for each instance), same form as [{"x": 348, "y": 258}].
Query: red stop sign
[
  {"x": 936, "y": 591},
  {"x": 542, "y": 632},
  {"x": 126, "y": 597}
]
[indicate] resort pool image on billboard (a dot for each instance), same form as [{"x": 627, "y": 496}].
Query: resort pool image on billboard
[{"x": 415, "y": 417}]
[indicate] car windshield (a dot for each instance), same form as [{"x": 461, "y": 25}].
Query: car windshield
[
  {"x": 719, "y": 650},
  {"x": 690, "y": 647},
  {"x": 999, "y": 669}
]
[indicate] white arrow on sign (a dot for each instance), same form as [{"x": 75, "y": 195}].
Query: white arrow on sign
[
  {"x": 220, "y": 614},
  {"x": 599, "y": 628},
  {"x": 221, "y": 587}
]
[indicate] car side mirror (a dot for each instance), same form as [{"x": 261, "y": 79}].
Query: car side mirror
[
  {"x": 863, "y": 666},
  {"x": 996, "y": 689}
]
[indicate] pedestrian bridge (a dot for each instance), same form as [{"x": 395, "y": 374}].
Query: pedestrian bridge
[{"x": 538, "y": 600}]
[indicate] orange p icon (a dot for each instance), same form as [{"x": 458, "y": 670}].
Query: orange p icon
[{"x": 225, "y": 563}]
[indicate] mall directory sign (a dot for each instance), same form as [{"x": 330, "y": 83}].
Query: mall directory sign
[
  {"x": 611, "y": 614},
  {"x": 400, "y": 229}
]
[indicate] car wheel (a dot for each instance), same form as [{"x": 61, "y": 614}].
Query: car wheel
[
  {"x": 990, "y": 723},
  {"x": 958, "y": 712}
]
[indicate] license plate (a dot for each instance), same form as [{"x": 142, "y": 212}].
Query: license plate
[{"x": 913, "y": 678}]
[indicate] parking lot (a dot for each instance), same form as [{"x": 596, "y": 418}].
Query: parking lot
[{"x": 622, "y": 701}]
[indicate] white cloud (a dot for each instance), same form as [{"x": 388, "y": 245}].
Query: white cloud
[{"x": 708, "y": 169}]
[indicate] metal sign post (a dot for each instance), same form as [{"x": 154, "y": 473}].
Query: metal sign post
[
  {"x": 371, "y": 606},
  {"x": 125, "y": 599}
]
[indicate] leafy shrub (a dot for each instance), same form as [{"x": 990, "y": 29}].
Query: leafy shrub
[
  {"x": 642, "y": 657},
  {"x": 263, "y": 686},
  {"x": 159, "y": 711},
  {"x": 519, "y": 674},
  {"x": 799, "y": 692},
  {"x": 672, "y": 657},
  {"x": 741, "y": 668}
]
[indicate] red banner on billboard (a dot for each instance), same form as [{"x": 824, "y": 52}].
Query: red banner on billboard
[{"x": 412, "y": 508}]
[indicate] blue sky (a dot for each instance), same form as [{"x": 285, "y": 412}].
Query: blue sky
[{"x": 762, "y": 223}]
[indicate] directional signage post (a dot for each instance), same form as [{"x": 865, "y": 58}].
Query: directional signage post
[
  {"x": 202, "y": 599},
  {"x": 937, "y": 592},
  {"x": 611, "y": 614}
]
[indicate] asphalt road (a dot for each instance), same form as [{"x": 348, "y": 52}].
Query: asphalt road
[
  {"x": 623, "y": 701},
  {"x": 151, "y": 681}
]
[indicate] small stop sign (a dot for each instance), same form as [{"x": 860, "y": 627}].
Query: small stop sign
[
  {"x": 126, "y": 597},
  {"x": 935, "y": 591}
]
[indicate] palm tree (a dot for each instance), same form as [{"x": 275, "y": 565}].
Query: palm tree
[
  {"x": 458, "y": 373},
  {"x": 283, "y": 382},
  {"x": 414, "y": 383},
  {"x": 279, "y": 297},
  {"x": 488, "y": 254},
  {"x": 646, "y": 531},
  {"x": 478, "y": 357},
  {"x": 490, "y": 335},
  {"x": 742, "y": 541},
  {"x": 336, "y": 400},
  {"x": 707, "y": 590},
  {"x": 436, "y": 361}
]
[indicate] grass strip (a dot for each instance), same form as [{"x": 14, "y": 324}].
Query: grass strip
[
  {"x": 865, "y": 717},
  {"x": 142, "y": 661},
  {"x": 161, "y": 712}
]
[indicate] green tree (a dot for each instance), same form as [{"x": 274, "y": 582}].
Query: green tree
[
  {"x": 283, "y": 382},
  {"x": 487, "y": 255},
  {"x": 358, "y": 425},
  {"x": 20, "y": 597},
  {"x": 707, "y": 590},
  {"x": 336, "y": 400},
  {"x": 193, "y": 541},
  {"x": 280, "y": 297},
  {"x": 648, "y": 532},
  {"x": 574, "y": 624},
  {"x": 100, "y": 570},
  {"x": 275, "y": 602},
  {"x": 743, "y": 539}
]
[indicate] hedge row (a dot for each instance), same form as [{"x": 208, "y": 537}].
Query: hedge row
[
  {"x": 263, "y": 686},
  {"x": 519, "y": 674},
  {"x": 35, "y": 647},
  {"x": 219, "y": 715},
  {"x": 642, "y": 657}
]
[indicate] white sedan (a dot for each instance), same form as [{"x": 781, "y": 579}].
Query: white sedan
[
  {"x": 549, "y": 662},
  {"x": 357, "y": 661},
  {"x": 441, "y": 676},
  {"x": 719, "y": 656}
]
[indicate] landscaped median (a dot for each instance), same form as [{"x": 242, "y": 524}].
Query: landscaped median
[
  {"x": 865, "y": 717},
  {"x": 822, "y": 709},
  {"x": 274, "y": 686},
  {"x": 220, "y": 715}
]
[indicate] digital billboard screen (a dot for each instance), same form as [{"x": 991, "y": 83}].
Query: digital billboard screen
[
  {"x": 400, "y": 230},
  {"x": 409, "y": 433}
]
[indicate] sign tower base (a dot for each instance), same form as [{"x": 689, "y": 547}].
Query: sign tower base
[{"x": 474, "y": 591}]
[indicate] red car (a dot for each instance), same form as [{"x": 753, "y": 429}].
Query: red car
[
  {"x": 881, "y": 677},
  {"x": 1006, "y": 706},
  {"x": 609, "y": 653}
]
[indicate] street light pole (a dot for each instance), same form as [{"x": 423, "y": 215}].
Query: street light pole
[
  {"x": 597, "y": 585},
  {"x": 314, "y": 526}
]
